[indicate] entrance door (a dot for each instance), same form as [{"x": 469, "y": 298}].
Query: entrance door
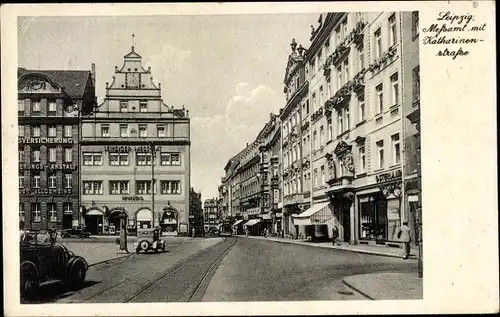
[
  {"x": 346, "y": 222},
  {"x": 94, "y": 224},
  {"x": 67, "y": 221}
]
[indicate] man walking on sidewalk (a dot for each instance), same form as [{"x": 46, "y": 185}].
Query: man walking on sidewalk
[{"x": 404, "y": 236}]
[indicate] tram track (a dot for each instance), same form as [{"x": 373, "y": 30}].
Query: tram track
[{"x": 185, "y": 281}]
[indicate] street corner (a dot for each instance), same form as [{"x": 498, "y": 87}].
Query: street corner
[{"x": 386, "y": 286}]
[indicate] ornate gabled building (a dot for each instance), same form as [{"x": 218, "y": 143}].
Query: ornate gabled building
[
  {"x": 50, "y": 105},
  {"x": 136, "y": 156},
  {"x": 295, "y": 133}
]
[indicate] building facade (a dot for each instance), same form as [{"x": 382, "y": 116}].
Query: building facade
[
  {"x": 295, "y": 176},
  {"x": 211, "y": 214},
  {"x": 50, "y": 105},
  {"x": 135, "y": 155},
  {"x": 355, "y": 69}
]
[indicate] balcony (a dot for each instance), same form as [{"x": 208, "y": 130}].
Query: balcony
[
  {"x": 293, "y": 199},
  {"x": 383, "y": 61},
  {"x": 340, "y": 183},
  {"x": 317, "y": 115}
]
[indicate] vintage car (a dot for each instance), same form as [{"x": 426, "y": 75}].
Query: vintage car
[
  {"x": 149, "y": 240},
  {"x": 75, "y": 232},
  {"x": 43, "y": 261}
]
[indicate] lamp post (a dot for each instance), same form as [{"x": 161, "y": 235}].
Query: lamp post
[{"x": 153, "y": 152}]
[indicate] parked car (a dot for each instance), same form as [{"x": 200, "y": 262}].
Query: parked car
[
  {"x": 149, "y": 240},
  {"x": 44, "y": 261},
  {"x": 75, "y": 232}
]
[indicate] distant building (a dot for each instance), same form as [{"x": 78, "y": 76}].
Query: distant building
[
  {"x": 210, "y": 214},
  {"x": 50, "y": 105},
  {"x": 130, "y": 136}
]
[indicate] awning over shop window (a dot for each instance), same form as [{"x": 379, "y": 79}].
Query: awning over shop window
[
  {"x": 94, "y": 212},
  {"x": 251, "y": 222},
  {"x": 316, "y": 215},
  {"x": 237, "y": 222}
]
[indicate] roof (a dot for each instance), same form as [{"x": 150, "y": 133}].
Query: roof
[
  {"x": 74, "y": 82},
  {"x": 133, "y": 54}
]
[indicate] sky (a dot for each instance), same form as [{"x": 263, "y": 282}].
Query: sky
[{"x": 227, "y": 70}]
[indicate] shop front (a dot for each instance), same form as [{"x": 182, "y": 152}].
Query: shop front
[
  {"x": 315, "y": 220},
  {"x": 169, "y": 221},
  {"x": 94, "y": 221},
  {"x": 380, "y": 210}
]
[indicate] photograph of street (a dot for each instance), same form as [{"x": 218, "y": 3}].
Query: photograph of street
[{"x": 219, "y": 158}]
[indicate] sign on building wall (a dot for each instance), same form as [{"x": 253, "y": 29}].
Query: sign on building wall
[
  {"x": 45, "y": 140},
  {"x": 183, "y": 228}
]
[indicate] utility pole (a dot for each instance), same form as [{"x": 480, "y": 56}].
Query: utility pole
[{"x": 152, "y": 181}]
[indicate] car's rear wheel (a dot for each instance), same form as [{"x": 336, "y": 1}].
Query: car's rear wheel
[{"x": 29, "y": 282}]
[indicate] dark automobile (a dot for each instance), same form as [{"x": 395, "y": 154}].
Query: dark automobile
[
  {"x": 43, "y": 261},
  {"x": 149, "y": 240},
  {"x": 75, "y": 232}
]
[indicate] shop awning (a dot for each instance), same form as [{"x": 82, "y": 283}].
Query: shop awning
[
  {"x": 237, "y": 222},
  {"x": 251, "y": 222},
  {"x": 315, "y": 215}
]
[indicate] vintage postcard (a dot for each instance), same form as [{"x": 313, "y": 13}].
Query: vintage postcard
[{"x": 248, "y": 159}]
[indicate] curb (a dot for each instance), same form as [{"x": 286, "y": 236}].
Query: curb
[
  {"x": 110, "y": 260},
  {"x": 335, "y": 248},
  {"x": 357, "y": 290}
]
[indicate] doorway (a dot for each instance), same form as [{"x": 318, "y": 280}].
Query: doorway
[{"x": 346, "y": 222}]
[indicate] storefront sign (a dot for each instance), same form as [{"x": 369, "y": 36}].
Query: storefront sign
[
  {"x": 133, "y": 198},
  {"x": 62, "y": 167},
  {"x": 385, "y": 177},
  {"x": 45, "y": 140},
  {"x": 46, "y": 191},
  {"x": 126, "y": 149}
]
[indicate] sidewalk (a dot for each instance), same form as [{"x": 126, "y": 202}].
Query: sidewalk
[
  {"x": 386, "y": 286},
  {"x": 360, "y": 248},
  {"x": 94, "y": 253}
]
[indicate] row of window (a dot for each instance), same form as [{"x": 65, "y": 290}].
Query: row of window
[
  {"x": 36, "y": 211},
  {"x": 295, "y": 185},
  {"x": 125, "y": 132},
  {"x": 167, "y": 187},
  {"x": 51, "y": 131},
  {"x": 122, "y": 159},
  {"x": 344, "y": 119},
  {"x": 143, "y": 106},
  {"x": 36, "y": 106},
  {"x": 51, "y": 180},
  {"x": 52, "y": 153}
]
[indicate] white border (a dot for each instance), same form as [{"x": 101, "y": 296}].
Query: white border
[{"x": 458, "y": 160}]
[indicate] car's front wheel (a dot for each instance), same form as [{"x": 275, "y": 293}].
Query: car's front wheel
[
  {"x": 144, "y": 245},
  {"x": 29, "y": 282},
  {"x": 77, "y": 276}
]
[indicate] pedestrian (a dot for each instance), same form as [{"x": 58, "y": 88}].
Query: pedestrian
[
  {"x": 265, "y": 232},
  {"x": 335, "y": 234},
  {"x": 193, "y": 231},
  {"x": 404, "y": 235}
]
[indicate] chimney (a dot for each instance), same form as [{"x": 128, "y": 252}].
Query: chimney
[{"x": 93, "y": 74}]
